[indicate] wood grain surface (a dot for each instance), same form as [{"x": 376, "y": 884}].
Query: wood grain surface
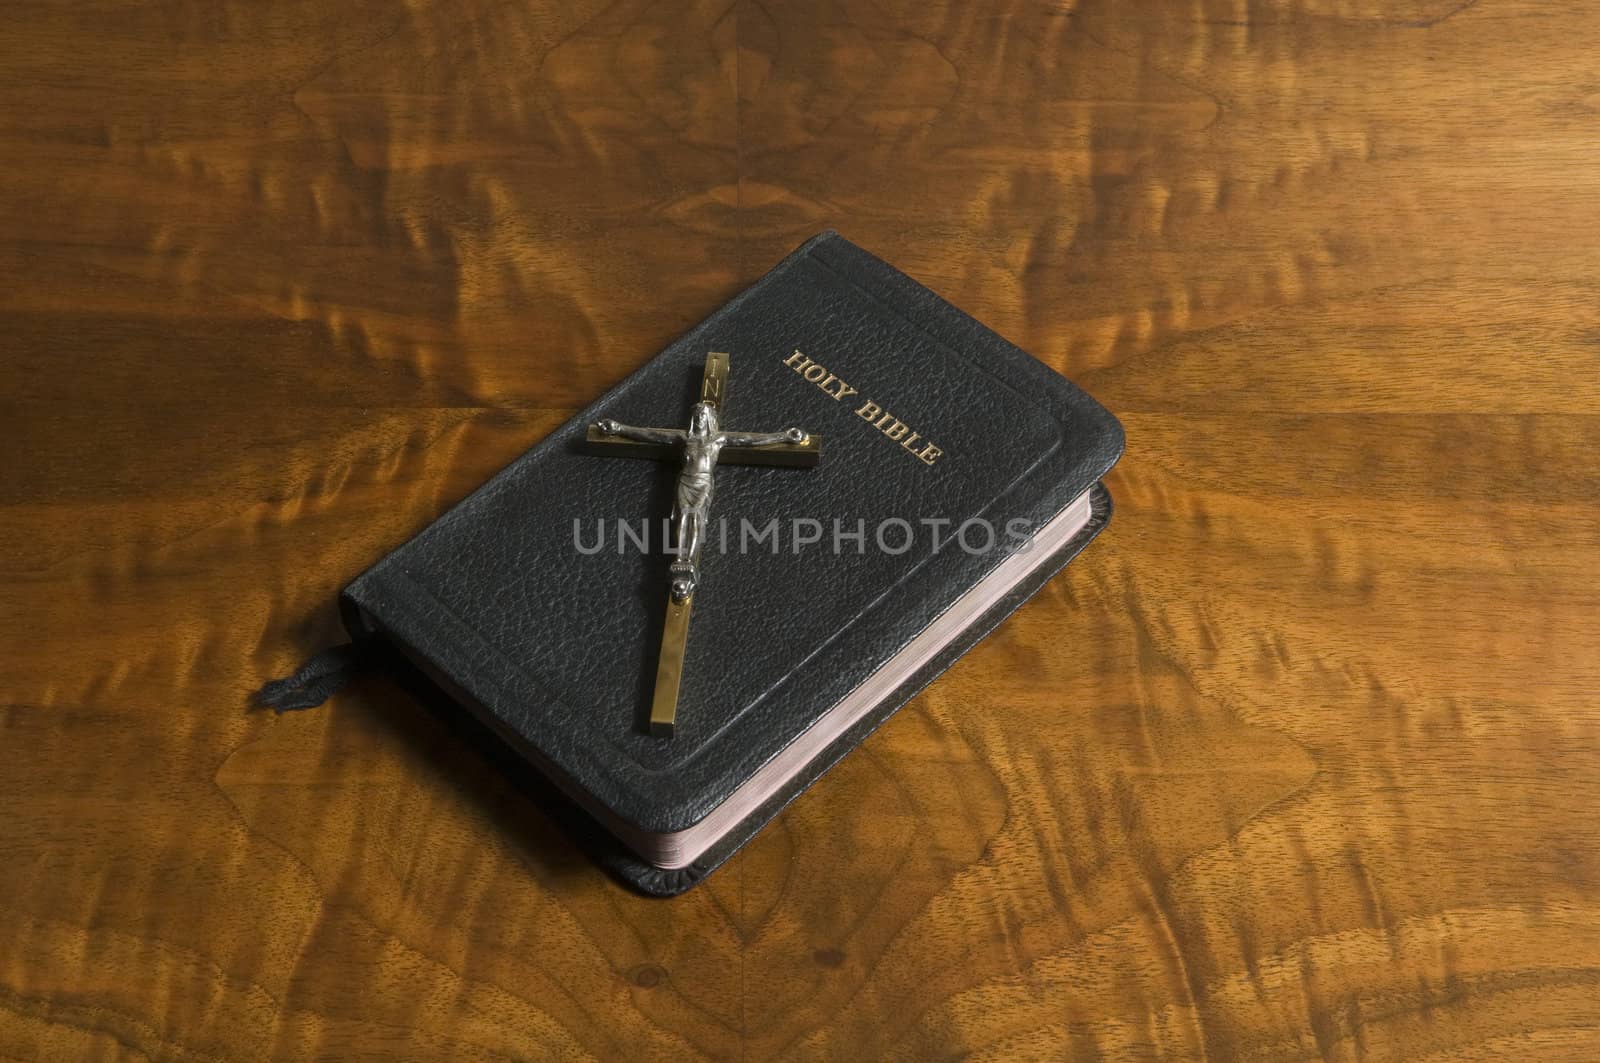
[{"x": 1299, "y": 761}]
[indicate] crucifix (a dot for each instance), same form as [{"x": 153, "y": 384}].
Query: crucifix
[{"x": 700, "y": 447}]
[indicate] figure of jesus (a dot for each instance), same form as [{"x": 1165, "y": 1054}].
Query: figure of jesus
[{"x": 691, "y": 511}]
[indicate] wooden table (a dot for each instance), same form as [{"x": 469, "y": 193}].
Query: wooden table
[{"x": 1299, "y": 760}]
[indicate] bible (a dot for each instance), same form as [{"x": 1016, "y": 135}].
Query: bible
[{"x": 891, "y": 479}]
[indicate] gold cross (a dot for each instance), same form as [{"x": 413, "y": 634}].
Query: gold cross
[{"x": 700, "y": 447}]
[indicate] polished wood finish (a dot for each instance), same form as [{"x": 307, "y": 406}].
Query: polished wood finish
[{"x": 1299, "y": 761}]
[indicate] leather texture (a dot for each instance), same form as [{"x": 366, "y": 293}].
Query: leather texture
[{"x": 556, "y": 647}]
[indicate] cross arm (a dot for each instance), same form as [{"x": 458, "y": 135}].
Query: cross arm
[
  {"x": 786, "y": 455},
  {"x": 598, "y": 441},
  {"x": 763, "y": 439},
  {"x": 657, "y": 436},
  {"x": 792, "y": 447}
]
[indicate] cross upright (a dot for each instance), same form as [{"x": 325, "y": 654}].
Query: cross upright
[{"x": 700, "y": 447}]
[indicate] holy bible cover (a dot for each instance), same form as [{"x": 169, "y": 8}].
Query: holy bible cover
[{"x": 824, "y": 604}]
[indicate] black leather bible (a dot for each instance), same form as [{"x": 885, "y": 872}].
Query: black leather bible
[{"x": 958, "y": 475}]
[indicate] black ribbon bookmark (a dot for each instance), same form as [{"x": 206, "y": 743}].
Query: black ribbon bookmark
[{"x": 317, "y": 680}]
